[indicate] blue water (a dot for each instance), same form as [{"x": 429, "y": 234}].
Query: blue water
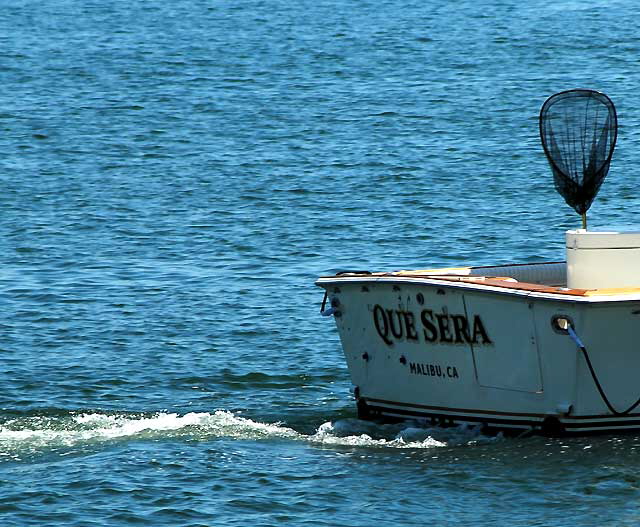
[{"x": 175, "y": 175}]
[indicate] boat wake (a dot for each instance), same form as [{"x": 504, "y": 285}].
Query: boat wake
[{"x": 79, "y": 432}]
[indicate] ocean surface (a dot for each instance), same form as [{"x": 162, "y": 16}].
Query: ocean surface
[{"x": 175, "y": 175}]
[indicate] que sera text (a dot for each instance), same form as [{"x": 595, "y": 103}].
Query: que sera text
[{"x": 445, "y": 328}]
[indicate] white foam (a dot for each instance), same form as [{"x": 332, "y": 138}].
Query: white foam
[
  {"x": 351, "y": 432},
  {"x": 36, "y": 434}
]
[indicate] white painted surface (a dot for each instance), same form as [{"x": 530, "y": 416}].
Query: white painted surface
[
  {"x": 511, "y": 362},
  {"x": 602, "y": 260}
]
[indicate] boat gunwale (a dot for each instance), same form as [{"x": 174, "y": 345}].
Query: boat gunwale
[{"x": 497, "y": 284}]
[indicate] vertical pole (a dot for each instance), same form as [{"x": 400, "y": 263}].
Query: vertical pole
[{"x": 584, "y": 221}]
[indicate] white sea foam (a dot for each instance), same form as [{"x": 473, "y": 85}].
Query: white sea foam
[
  {"x": 404, "y": 435},
  {"x": 36, "y": 434},
  {"x": 329, "y": 434}
]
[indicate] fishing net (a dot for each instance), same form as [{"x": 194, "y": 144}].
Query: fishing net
[{"x": 578, "y": 129}]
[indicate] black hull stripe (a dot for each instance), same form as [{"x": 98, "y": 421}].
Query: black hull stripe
[
  {"x": 604, "y": 422},
  {"x": 456, "y": 410},
  {"x": 524, "y": 424},
  {"x": 467, "y": 411}
]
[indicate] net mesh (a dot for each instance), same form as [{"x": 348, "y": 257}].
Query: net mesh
[{"x": 578, "y": 129}]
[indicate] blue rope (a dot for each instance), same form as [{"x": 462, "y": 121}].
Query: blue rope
[{"x": 583, "y": 348}]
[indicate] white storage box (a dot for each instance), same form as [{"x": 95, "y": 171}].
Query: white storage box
[{"x": 603, "y": 259}]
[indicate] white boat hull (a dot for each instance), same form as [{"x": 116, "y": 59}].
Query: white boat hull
[{"x": 464, "y": 352}]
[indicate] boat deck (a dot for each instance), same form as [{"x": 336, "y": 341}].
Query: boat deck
[{"x": 542, "y": 278}]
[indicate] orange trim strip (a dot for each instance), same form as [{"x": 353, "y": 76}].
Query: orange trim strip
[{"x": 498, "y": 282}]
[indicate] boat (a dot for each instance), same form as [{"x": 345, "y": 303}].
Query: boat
[{"x": 550, "y": 348}]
